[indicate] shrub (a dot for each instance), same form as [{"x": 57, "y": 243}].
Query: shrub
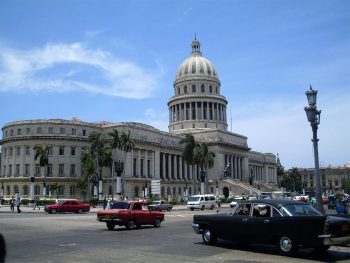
[{"x": 93, "y": 201}]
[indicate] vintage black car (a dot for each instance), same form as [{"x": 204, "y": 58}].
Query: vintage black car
[{"x": 288, "y": 224}]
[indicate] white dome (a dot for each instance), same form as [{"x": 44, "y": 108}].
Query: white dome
[{"x": 196, "y": 66}]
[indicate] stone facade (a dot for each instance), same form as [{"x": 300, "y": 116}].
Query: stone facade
[{"x": 197, "y": 108}]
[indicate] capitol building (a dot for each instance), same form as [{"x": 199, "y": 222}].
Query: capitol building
[{"x": 197, "y": 107}]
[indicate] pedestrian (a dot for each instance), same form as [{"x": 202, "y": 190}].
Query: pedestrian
[
  {"x": 109, "y": 204},
  {"x": 104, "y": 203},
  {"x": 1, "y": 200},
  {"x": 12, "y": 203},
  {"x": 36, "y": 205},
  {"x": 18, "y": 203}
]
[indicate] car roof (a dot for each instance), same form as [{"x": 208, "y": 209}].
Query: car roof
[{"x": 274, "y": 202}]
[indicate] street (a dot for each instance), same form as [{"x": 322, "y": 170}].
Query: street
[{"x": 41, "y": 237}]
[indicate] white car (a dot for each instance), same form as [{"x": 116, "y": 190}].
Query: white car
[
  {"x": 235, "y": 200},
  {"x": 201, "y": 202}
]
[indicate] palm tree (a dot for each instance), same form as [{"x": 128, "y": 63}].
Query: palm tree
[
  {"x": 42, "y": 152},
  {"x": 204, "y": 159},
  {"x": 83, "y": 187},
  {"x": 89, "y": 170},
  {"x": 188, "y": 154}
]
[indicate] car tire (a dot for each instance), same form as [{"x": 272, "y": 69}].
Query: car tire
[
  {"x": 192, "y": 209},
  {"x": 202, "y": 208},
  {"x": 209, "y": 237},
  {"x": 157, "y": 222},
  {"x": 80, "y": 211},
  {"x": 287, "y": 246},
  {"x": 212, "y": 207},
  {"x": 110, "y": 225},
  {"x": 53, "y": 211},
  {"x": 130, "y": 225},
  {"x": 321, "y": 249}
]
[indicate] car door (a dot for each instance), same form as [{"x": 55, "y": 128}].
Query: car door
[
  {"x": 66, "y": 207},
  {"x": 74, "y": 206},
  {"x": 261, "y": 223}
]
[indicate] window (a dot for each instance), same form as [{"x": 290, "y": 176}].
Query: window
[
  {"x": 61, "y": 150},
  {"x": 72, "y": 190},
  {"x": 62, "y": 130},
  {"x": 134, "y": 167},
  {"x": 36, "y": 190},
  {"x": 50, "y": 130},
  {"x": 61, "y": 169},
  {"x": 202, "y": 88},
  {"x": 18, "y": 151},
  {"x": 149, "y": 168},
  {"x": 15, "y": 189},
  {"x": 5, "y": 152},
  {"x": 11, "y": 132},
  {"x": 4, "y": 171},
  {"x": 50, "y": 150},
  {"x": 38, "y": 130},
  {"x": 74, "y": 131},
  {"x": 216, "y": 90},
  {"x": 193, "y": 88},
  {"x": 49, "y": 169},
  {"x": 25, "y": 190},
  {"x": 185, "y": 89},
  {"x": 27, "y": 150},
  {"x": 6, "y": 133},
  {"x": 178, "y": 91},
  {"x": 72, "y": 170},
  {"x": 72, "y": 151},
  {"x": 37, "y": 169},
  {"x": 28, "y": 130},
  {"x": 84, "y": 132},
  {"x": 19, "y": 131},
  {"x": 243, "y": 209},
  {"x": 8, "y": 190},
  {"x": 26, "y": 169},
  {"x": 10, "y": 170},
  {"x": 10, "y": 151},
  {"x": 210, "y": 89},
  {"x": 142, "y": 175},
  {"x": 17, "y": 169}
]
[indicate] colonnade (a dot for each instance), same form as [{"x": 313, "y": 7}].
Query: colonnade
[
  {"x": 263, "y": 173},
  {"x": 236, "y": 166}
]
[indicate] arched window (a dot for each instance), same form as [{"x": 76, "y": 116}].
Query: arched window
[
  {"x": 72, "y": 190},
  {"x": 210, "y": 89},
  {"x": 8, "y": 190},
  {"x": 193, "y": 88},
  {"x": 25, "y": 190},
  {"x": 185, "y": 89},
  {"x": 15, "y": 189},
  {"x": 36, "y": 190},
  {"x": 178, "y": 91},
  {"x": 136, "y": 191},
  {"x": 202, "y": 88}
]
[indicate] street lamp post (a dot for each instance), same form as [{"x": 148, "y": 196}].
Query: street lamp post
[
  {"x": 313, "y": 116},
  {"x": 118, "y": 168},
  {"x": 251, "y": 179}
]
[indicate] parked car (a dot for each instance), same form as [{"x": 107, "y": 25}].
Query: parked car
[
  {"x": 288, "y": 224},
  {"x": 160, "y": 205},
  {"x": 67, "y": 205},
  {"x": 201, "y": 202},
  {"x": 235, "y": 200},
  {"x": 130, "y": 214}
]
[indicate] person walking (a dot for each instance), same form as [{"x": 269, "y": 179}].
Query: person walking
[
  {"x": 18, "y": 203},
  {"x": 109, "y": 204},
  {"x": 12, "y": 203},
  {"x": 104, "y": 203},
  {"x": 36, "y": 205}
]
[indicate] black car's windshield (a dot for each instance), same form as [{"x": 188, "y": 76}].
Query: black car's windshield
[
  {"x": 299, "y": 210},
  {"x": 120, "y": 205}
]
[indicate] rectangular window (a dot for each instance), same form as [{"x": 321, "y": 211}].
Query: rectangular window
[
  {"x": 17, "y": 169},
  {"x": 49, "y": 169},
  {"x": 18, "y": 151},
  {"x": 62, "y": 130},
  {"x": 27, "y": 150},
  {"x": 62, "y": 150},
  {"x": 61, "y": 169},
  {"x": 27, "y": 170},
  {"x": 134, "y": 167},
  {"x": 28, "y": 130},
  {"x": 6, "y": 133},
  {"x": 5, "y": 152},
  {"x": 142, "y": 175},
  {"x": 148, "y": 168},
  {"x": 72, "y": 170},
  {"x": 50, "y": 130},
  {"x": 72, "y": 151},
  {"x": 10, "y": 170},
  {"x": 19, "y": 131},
  {"x": 37, "y": 169},
  {"x": 4, "y": 171},
  {"x": 10, "y": 151},
  {"x": 50, "y": 150},
  {"x": 74, "y": 131},
  {"x": 84, "y": 132},
  {"x": 11, "y": 132}
]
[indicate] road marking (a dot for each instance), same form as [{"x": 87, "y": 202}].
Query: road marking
[{"x": 67, "y": 245}]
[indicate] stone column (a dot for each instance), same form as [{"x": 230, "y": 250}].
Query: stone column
[
  {"x": 145, "y": 165},
  {"x": 169, "y": 166},
  {"x": 164, "y": 167},
  {"x": 156, "y": 166},
  {"x": 208, "y": 115},
  {"x": 185, "y": 170},
  {"x": 180, "y": 167},
  {"x": 138, "y": 163},
  {"x": 231, "y": 165},
  {"x": 239, "y": 167},
  {"x": 175, "y": 167}
]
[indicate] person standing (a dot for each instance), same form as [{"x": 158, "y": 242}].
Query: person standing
[
  {"x": 36, "y": 199},
  {"x": 104, "y": 203},
  {"x": 18, "y": 203},
  {"x": 12, "y": 203},
  {"x": 109, "y": 204}
]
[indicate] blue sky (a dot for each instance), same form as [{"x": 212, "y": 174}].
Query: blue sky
[{"x": 116, "y": 61}]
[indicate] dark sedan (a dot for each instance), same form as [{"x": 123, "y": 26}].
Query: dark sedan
[{"x": 288, "y": 224}]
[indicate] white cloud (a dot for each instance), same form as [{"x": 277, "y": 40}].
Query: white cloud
[
  {"x": 156, "y": 119},
  {"x": 85, "y": 69}
]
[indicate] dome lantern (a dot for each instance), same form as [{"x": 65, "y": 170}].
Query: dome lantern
[{"x": 196, "y": 46}]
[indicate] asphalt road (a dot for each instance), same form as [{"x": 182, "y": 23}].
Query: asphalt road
[{"x": 40, "y": 237}]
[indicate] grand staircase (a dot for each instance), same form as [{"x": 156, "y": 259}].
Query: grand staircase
[{"x": 242, "y": 187}]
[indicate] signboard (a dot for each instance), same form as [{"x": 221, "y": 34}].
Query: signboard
[{"x": 155, "y": 187}]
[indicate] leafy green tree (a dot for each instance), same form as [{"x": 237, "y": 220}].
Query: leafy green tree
[
  {"x": 42, "y": 152},
  {"x": 291, "y": 180},
  {"x": 346, "y": 185},
  {"x": 188, "y": 154},
  {"x": 54, "y": 188}
]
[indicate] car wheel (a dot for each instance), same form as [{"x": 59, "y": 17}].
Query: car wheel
[
  {"x": 53, "y": 211},
  {"x": 130, "y": 225},
  {"x": 321, "y": 249},
  {"x": 80, "y": 211},
  {"x": 192, "y": 209},
  {"x": 212, "y": 207},
  {"x": 202, "y": 208},
  {"x": 209, "y": 237},
  {"x": 157, "y": 222},
  {"x": 287, "y": 245},
  {"x": 110, "y": 225}
]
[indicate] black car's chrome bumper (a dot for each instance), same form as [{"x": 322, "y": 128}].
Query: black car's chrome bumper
[
  {"x": 196, "y": 228},
  {"x": 328, "y": 240}
]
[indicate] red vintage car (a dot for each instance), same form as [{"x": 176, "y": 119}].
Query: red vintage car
[
  {"x": 130, "y": 214},
  {"x": 67, "y": 205}
]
